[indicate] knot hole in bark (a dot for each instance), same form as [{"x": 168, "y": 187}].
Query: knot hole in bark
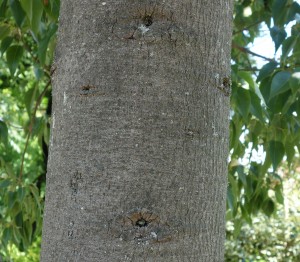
[
  {"x": 141, "y": 222},
  {"x": 143, "y": 226},
  {"x": 147, "y": 20}
]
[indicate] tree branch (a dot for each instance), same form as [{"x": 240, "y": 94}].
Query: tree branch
[
  {"x": 247, "y": 27},
  {"x": 37, "y": 104},
  {"x": 246, "y": 50}
]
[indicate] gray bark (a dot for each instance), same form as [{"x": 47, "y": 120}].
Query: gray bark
[{"x": 139, "y": 136}]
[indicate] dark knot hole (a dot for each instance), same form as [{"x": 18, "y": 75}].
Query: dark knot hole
[{"x": 148, "y": 20}]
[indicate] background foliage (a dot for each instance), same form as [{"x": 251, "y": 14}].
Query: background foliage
[{"x": 265, "y": 120}]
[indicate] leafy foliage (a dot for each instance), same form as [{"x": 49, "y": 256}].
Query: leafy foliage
[
  {"x": 27, "y": 30},
  {"x": 265, "y": 114},
  {"x": 265, "y": 106},
  {"x": 269, "y": 239}
]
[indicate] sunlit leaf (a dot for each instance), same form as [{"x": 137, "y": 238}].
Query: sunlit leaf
[{"x": 295, "y": 81}]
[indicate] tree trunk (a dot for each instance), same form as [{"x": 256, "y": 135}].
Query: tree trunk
[{"x": 137, "y": 165}]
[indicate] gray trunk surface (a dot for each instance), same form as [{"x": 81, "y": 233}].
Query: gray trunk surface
[{"x": 139, "y": 136}]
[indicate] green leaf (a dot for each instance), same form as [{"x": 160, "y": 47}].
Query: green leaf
[
  {"x": 34, "y": 11},
  {"x": 293, "y": 10},
  {"x": 295, "y": 81},
  {"x": 53, "y": 9},
  {"x": 3, "y": 133},
  {"x": 35, "y": 192},
  {"x": 232, "y": 194},
  {"x": 238, "y": 223},
  {"x": 3, "y": 9},
  {"x": 245, "y": 214},
  {"x": 30, "y": 97},
  {"x": 38, "y": 126},
  {"x": 5, "y": 43},
  {"x": 43, "y": 44},
  {"x": 247, "y": 77},
  {"x": 279, "y": 11},
  {"x": 276, "y": 151},
  {"x": 21, "y": 194},
  {"x": 278, "y": 103},
  {"x": 241, "y": 174},
  {"x": 38, "y": 72},
  {"x": 230, "y": 199},
  {"x": 243, "y": 101},
  {"x": 12, "y": 197},
  {"x": 278, "y": 194},
  {"x": 280, "y": 83},
  {"x": 17, "y": 235},
  {"x": 266, "y": 70},
  {"x": 13, "y": 56},
  {"x": 264, "y": 88},
  {"x": 6, "y": 235},
  {"x": 256, "y": 107},
  {"x": 17, "y": 11},
  {"x": 19, "y": 219},
  {"x": 4, "y": 31},
  {"x": 290, "y": 152},
  {"x": 27, "y": 232},
  {"x": 4, "y": 184},
  {"x": 278, "y": 35},
  {"x": 288, "y": 45},
  {"x": 268, "y": 207}
]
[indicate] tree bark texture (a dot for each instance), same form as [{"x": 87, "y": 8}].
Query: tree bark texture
[{"x": 139, "y": 141}]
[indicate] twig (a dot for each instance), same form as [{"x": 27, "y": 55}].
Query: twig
[
  {"x": 251, "y": 69},
  {"x": 246, "y": 50},
  {"x": 37, "y": 104},
  {"x": 246, "y": 28}
]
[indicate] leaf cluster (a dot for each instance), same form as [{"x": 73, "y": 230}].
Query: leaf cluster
[
  {"x": 27, "y": 41},
  {"x": 265, "y": 116}
]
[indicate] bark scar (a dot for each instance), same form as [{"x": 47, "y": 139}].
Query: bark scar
[
  {"x": 90, "y": 90},
  {"x": 225, "y": 87}
]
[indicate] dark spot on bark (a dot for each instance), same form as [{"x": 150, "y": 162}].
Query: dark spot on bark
[
  {"x": 147, "y": 20},
  {"x": 74, "y": 184},
  {"x": 226, "y": 82},
  {"x": 85, "y": 90},
  {"x": 90, "y": 90},
  {"x": 225, "y": 87},
  {"x": 192, "y": 132}
]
